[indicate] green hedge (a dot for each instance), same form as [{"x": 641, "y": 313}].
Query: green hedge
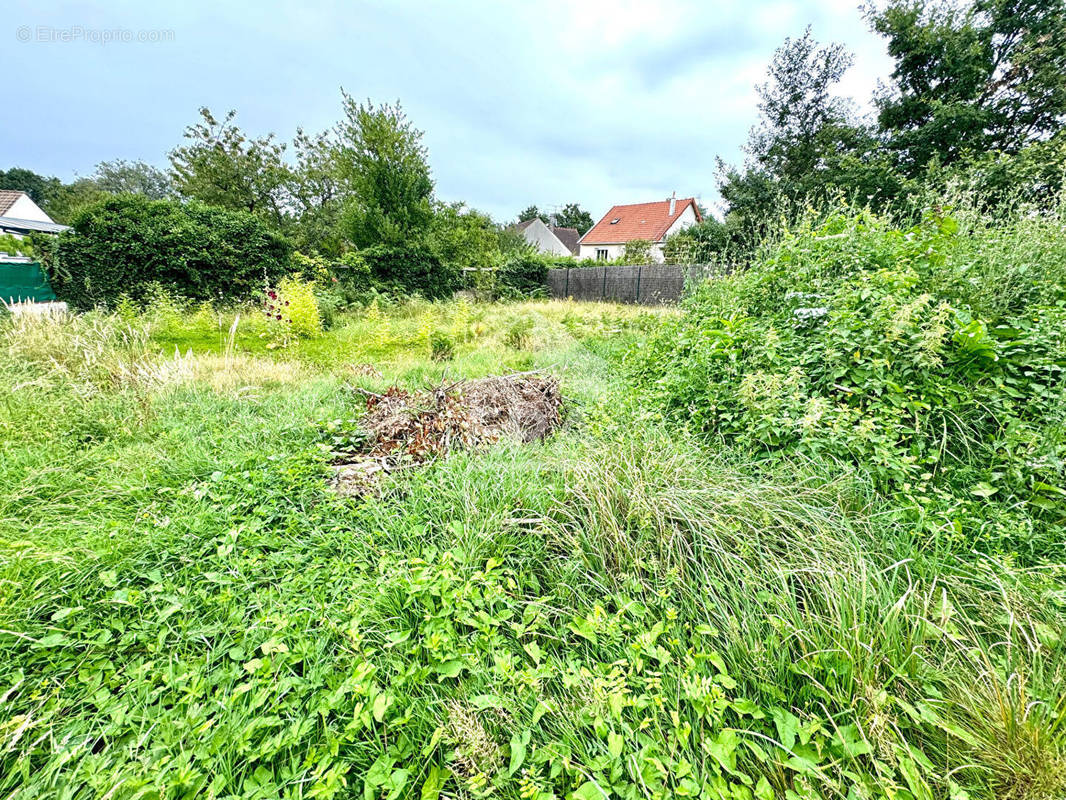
[
  {"x": 407, "y": 269},
  {"x": 124, "y": 243}
]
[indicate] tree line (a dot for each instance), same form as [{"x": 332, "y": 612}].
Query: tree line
[{"x": 976, "y": 99}]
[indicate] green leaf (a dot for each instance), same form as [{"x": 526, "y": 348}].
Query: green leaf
[
  {"x": 396, "y": 782},
  {"x": 434, "y": 783},
  {"x": 518, "y": 750},
  {"x": 582, "y": 627},
  {"x": 381, "y": 705},
  {"x": 589, "y": 790},
  {"x": 450, "y": 669},
  {"x": 615, "y": 743},
  {"x": 541, "y": 709},
  {"x": 483, "y": 701},
  {"x": 743, "y": 705}
]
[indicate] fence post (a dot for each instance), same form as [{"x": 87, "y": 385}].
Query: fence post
[
  {"x": 640, "y": 269},
  {"x": 566, "y": 291},
  {"x": 603, "y": 291}
]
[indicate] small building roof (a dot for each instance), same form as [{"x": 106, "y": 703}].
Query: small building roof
[
  {"x": 648, "y": 221},
  {"x": 8, "y": 198},
  {"x": 569, "y": 237},
  {"x": 15, "y": 225}
]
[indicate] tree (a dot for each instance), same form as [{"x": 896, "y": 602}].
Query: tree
[
  {"x": 572, "y": 216},
  {"x": 133, "y": 177},
  {"x": 532, "y": 212},
  {"x": 223, "y": 167},
  {"x": 464, "y": 238},
  {"x": 698, "y": 244},
  {"x": 808, "y": 146},
  {"x": 317, "y": 194},
  {"x": 40, "y": 188},
  {"x": 68, "y": 200},
  {"x": 382, "y": 160},
  {"x": 801, "y": 120},
  {"x": 990, "y": 75}
]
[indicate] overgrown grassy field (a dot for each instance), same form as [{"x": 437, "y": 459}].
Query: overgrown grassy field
[{"x": 646, "y": 604}]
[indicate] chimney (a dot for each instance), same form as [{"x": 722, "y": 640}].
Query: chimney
[{"x": 673, "y": 203}]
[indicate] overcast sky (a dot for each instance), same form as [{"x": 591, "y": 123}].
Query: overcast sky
[{"x": 532, "y": 102}]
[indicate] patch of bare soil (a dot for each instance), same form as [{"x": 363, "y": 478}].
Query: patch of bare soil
[{"x": 410, "y": 428}]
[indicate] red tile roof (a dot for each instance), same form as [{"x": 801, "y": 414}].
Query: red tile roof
[
  {"x": 7, "y": 199},
  {"x": 638, "y": 221}
]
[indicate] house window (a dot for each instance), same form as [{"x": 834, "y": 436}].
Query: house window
[{"x": 601, "y": 254}]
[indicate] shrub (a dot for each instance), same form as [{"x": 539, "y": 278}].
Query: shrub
[
  {"x": 292, "y": 309},
  {"x": 124, "y": 243},
  {"x": 517, "y": 333},
  {"x": 524, "y": 273},
  {"x": 12, "y": 245},
  {"x": 882, "y": 349},
  {"x": 441, "y": 346},
  {"x": 637, "y": 251},
  {"x": 410, "y": 269}
]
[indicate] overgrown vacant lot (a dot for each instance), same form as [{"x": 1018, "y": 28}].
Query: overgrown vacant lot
[{"x": 726, "y": 575}]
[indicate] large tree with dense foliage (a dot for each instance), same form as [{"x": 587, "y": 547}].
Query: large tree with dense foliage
[
  {"x": 41, "y": 189},
  {"x": 532, "y": 212},
  {"x": 381, "y": 158},
  {"x": 970, "y": 78},
  {"x": 574, "y": 216},
  {"x": 808, "y": 146},
  {"x": 316, "y": 193},
  {"x": 222, "y": 166},
  {"x": 133, "y": 177}
]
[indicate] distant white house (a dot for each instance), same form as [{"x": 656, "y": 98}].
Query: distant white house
[
  {"x": 19, "y": 215},
  {"x": 552, "y": 240},
  {"x": 654, "y": 222}
]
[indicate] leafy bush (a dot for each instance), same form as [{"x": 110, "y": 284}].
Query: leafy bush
[
  {"x": 292, "y": 309},
  {"x": 124, "y": 243},
  {"x": 637, "y": 251},
  {"x": 410, "y": 269},
  {"x": 518, "y": 331},
  {"x": 887, "y": 350},
  {"x": 524, "y": 273},
  {"x": 441, "y": 346},
  {"x": 12, "y": 245}
]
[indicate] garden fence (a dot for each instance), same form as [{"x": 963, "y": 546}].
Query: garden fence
[{"x": 651, "y": 284}]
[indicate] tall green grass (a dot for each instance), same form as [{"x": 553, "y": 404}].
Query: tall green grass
[{"x": 186, "y": 609}]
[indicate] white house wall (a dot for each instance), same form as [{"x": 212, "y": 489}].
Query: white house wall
[
  {"x": 685, "y": 219},
  {"x": 541, "y": 237},
  {"x": 24, "y": 208}
]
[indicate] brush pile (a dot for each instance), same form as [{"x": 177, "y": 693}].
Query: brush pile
[{"x": 412, "y": 428}]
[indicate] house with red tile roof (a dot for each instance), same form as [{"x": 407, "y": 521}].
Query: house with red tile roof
[{"x": 654, "y": 222}]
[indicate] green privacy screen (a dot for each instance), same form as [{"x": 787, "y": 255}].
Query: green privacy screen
[{"x": 24, "y": 281}]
